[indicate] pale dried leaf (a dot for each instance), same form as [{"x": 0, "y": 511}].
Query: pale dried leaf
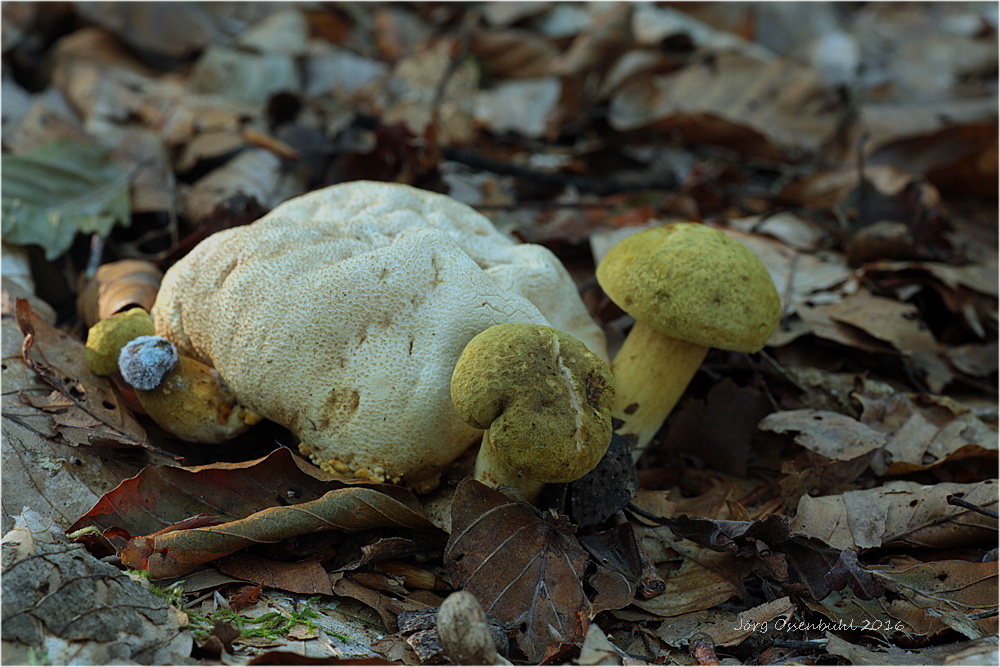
[
  {"x": 118, "y": 286},
  {"x": 895, "y": 322},
  {"x": 732, "y": 632},
  {"x": 925, "y": 431},
  {"x": 899, "y": 513},
  {"x": 787, "y": 107},
  {"x": 834, "y": 436},
  {"x": 523, "y": 106}
]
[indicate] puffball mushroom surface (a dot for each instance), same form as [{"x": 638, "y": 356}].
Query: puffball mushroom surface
[{"x": 341, "y": 314}]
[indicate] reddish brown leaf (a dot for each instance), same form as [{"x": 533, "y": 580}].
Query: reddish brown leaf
[
  {"x": 295, "y": 497},
  {"x": 245, "y": 596},
  {"x": 526, "y": 570},
  {"x": 848, "y": 572},
  {"x": 85, "y": 409},
  {"x": 306, "y": 577}
]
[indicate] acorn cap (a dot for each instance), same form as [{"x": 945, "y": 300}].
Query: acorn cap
[
  {"x": 694, "y": 283},
  {"x": 545, "y": 398}
]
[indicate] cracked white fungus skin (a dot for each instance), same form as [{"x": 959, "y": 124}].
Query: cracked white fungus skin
[{"x": 341, "y": 314}]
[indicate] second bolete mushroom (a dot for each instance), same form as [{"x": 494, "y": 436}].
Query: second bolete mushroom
[
  {"x": 545, "y": 400},
  {"x": 690, "y": 288}
]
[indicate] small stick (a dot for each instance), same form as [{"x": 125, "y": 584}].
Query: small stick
[{"x": 965, "y": 504}]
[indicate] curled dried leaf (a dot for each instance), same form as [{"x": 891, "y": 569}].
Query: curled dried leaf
[{"x": 118, "y": 286}]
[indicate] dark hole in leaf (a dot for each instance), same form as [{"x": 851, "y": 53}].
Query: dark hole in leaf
[{"x": 108, "y": 405}]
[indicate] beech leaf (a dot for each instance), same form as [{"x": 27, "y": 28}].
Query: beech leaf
[
  {"x": 52, "y": 192},
  {"x": 524, "y": 569},
  {"x": 257, "y": 502}
]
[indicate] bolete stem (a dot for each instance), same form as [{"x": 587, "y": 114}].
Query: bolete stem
[
  {"x": 651, "y": 370},
  {"x": 491, "y": 470}
]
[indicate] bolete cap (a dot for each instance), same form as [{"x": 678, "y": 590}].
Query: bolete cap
[
  {"x": 692, "y": 282},
  {"x": 545, "y": 398},
  {"x": 106, "y": 339}
]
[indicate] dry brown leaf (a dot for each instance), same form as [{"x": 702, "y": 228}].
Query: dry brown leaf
[
  {"x": 832, "y": 435},
  {"x": 514, "y": 53},
  {"x": 785, "y": 108},
  {"x": 256, "y": 502},
  {"x": 933, "y": 655},
  {"x": 98, "y": 75},
  {"x": 838, "y": 449},
  {"x": 387, "y": 607},
  {"x": 925, "y": 431},
  {"x": 746, "y": 623},
  {"x": 819, "y": 323},
  {"x": 307, "y": 577},
  {"x": 829, "y": 187},
  {"x": 523, "y": 569},
  {"x": 525, "y": 106},
  {"x": 922, "y": 595},
  {"x": 677, "y": 631},
  {"x": 41, "y": 125},
  {"x": 948, "y": 587},
  {"x": 169, "y": 31},
  {"x": 791, "y": 229},
  {"x": 412, "y": 90},
  {"x": 118, "y": 286},
  {"x": 41, "y": 469},
  {"x": 255, "y": 174},
  {"x": 975, "y": 359},
  {"x": 705, "y": 579},
  {"x": 900, "y": 514},
  {"x": 802, "y": 278},
  {"x": 85, "y": 409},
  {"x": 595, "y": 48},
  {"x": 885, "y": 319}
]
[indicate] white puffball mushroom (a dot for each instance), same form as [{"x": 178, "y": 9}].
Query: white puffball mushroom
[{"x": 341, "y": 314}]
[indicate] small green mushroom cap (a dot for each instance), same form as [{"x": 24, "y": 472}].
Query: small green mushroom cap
[
  {"x": 545, "y": 398},
  {"x": 694, "y": 283},
  {"x": 106, "y": 338}
]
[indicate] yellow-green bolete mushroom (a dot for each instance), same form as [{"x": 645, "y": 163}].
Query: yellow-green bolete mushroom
[
  {"x": 689, "y": 287},
  {"x": 184, "y": 396},
  {"x": 545, "y": 400},
  {"x": 106, "y": 339}
]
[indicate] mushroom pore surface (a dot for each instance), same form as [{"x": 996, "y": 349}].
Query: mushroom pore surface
[{"x": 341, "y": 315}]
